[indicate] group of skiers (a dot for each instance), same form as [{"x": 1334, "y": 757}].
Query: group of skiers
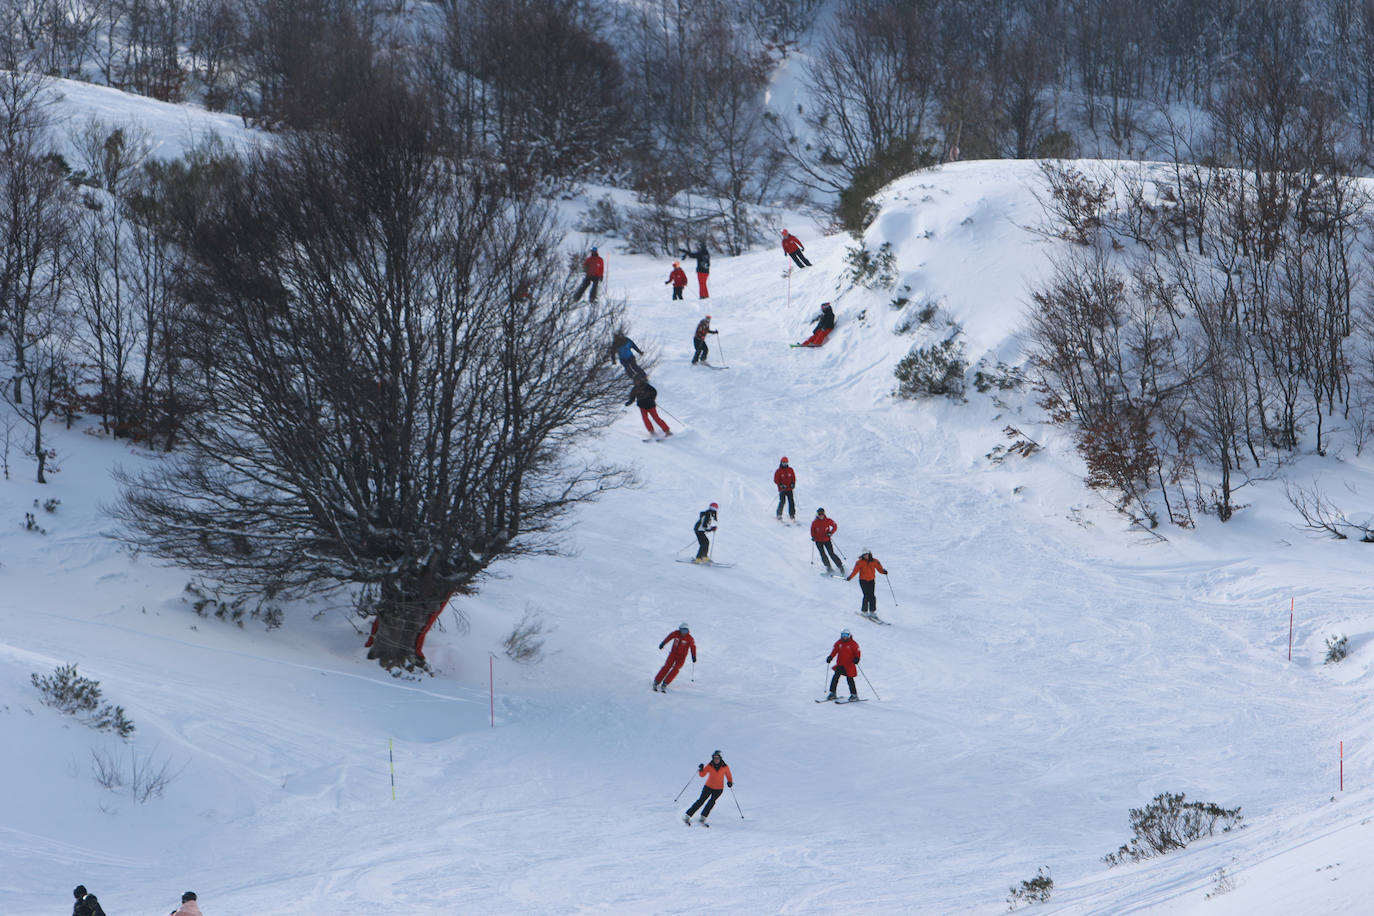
[{"x": 87, "y": 905}]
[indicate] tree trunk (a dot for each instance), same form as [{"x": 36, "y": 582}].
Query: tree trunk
[{"x": 405, "y": 610}]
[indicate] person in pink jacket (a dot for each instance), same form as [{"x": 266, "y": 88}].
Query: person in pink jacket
[{"x": 188, "y": 907}]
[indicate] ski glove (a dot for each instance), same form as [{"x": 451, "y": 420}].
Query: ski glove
[
  {"x": 700, "y": 767},
  {"x": 729, "y": 784},
  {"x": 827, "y": 659},
  {"x": 660, "y": 645}
]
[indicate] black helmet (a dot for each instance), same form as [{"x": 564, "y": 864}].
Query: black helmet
[
  {"x": 715, "y": 754},
  {"x": 820, "y": 511}
]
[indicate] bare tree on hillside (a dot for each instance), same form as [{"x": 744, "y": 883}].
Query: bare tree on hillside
[{"x": 403, "y": 393}]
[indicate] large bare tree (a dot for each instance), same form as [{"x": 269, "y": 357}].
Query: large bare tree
[{"x": 403, "y": 392}]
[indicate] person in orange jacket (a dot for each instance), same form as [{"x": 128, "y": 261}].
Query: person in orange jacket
[
  {"x": 793, "y": 248},
  {"x": 821, "y": 530},
  {"x": 683, "y": 643},
  {"x": 786, "y": 479},
  {"x": 593, "y": 270},
  {"x": 716, "y": 773},
  {"x": 678, "y": 277},
  {"x": 845, "y": 652},
  {"x": 865, "y": 567}
]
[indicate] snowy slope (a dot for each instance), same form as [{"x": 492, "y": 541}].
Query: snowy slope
[{"x": 1047, "y": 668}]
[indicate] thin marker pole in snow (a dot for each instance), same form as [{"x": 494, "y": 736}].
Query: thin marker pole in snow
[
  {"x": 391, "y": 756},
  {"x": 491, "y": 674},
  {"x": 789, "y": 286},
  {"x": 1291, "y": 602},
  {"x": 1342, "y": 766}
]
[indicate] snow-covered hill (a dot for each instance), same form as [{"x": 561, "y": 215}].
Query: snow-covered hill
[{"x": 1047, "y": 668}]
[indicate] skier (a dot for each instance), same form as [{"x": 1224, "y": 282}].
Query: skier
[
  {"x": 716, "y": 772},
  {"x": 825, "y": 323},
  {"x": 793, "y": 248},
  {"x": 821, "y": 530},
  {"x": 188, "y": 907},
  {"x": 624, "y": 349},
  {"x": 683, "y": 643},
  {"x": 786, "y": 479},
  {"x": 593, "y": 269},
  {"x": 699, "y": 340},
  {"x": 678, "y": 277},
  {"x": 705, "y": 522},
  {"x": 647, "y": 397},
  {"x": 703, "y": 258},
  {"x": 86, "y": 904},
  {"x": 864, "y": 567},
  {"x": 845, "y": 652}
]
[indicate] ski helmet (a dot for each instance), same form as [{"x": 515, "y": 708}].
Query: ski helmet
[
  {"x": 593, "y": 249},
  {"x": 844, "y": 634},
  {"x": 677, "y": 263},
  {"x": 683, "y": 628},
  {"x": 708, "y": 317},
  {"x": 784, "y": 232},
  {"x": 820, "y": 511},
  {"x": 784, "y": 459},
  {"x": 714, "y": 506},
  {"x": 715, "y": 753},
  {"x": 865, "y": 552}
]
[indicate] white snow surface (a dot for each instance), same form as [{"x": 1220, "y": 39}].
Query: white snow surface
[{"x": 1048, "y": 667}]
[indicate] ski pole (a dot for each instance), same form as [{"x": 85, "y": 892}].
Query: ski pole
[
  {"x": 737, "y": 807},
  {"x": 679, "y": 794},
  {"x": 813, "y": 552},
  {"x": 712, "y": 549},
  {"x": 669, "y": 413},
  {"x": 838, "y": 550},
  {"x": 694, "y": 671},
  {"x": 685, "y": 546},
  {"x": 890, "y": 591},
  {"x": 722, "y": 351},
  {"x": 869, "y": 683}
]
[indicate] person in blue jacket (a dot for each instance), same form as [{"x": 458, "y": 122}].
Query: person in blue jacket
[{"x": 624, "y": 349}]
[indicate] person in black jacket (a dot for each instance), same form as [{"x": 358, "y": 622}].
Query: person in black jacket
[
  {"x": 703, "y": 259},
  {"x": 825, "y": 323},
  {"x": 86, "y": 904},
  {"x": 706, "y": 522},
  {"x": 646, "y": 396}
]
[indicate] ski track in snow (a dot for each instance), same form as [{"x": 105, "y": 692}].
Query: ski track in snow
[{"x": 1046, "y": 669}]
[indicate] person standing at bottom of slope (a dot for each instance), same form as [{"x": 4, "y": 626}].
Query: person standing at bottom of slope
[
  {"x": 821, "y": 530},
  {"x": 703, "y": 258},
  {"x": 683, "y": 643},
  {"x": 845, "y": 652},
  {"x": 706, "y": 522},
  {"x": 864, "y": 567},
  {"x": 786, "y": 480},
  {"x": 793, "y": 248},
  {"x": 646, "y": 396},
  {"x": 188, "y": 907},
  {"x": 699, "y": 340},
  {"x": 86, "y": 904},
  {"x": 678, "y": 277},
  {"x": 716, "y": 773},
  {"x": 825, "y": 323},
  {"x": 593, "y": 270}
]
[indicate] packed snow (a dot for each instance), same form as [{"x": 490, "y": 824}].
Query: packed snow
[{"x": 1048, "y": 666}]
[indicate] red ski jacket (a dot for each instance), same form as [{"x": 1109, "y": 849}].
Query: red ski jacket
[
  {"x": 594, "y": 267},
  {"x": 678, "y": 277},
  {"x": 791, "y": 243},
  {"x": 682, "y": 643},
  {"x": 866, "y": 569},
  {"x": 845, "y": 652},
  {"x": 786, "y": 479},
  {"x": 822, "y": 528}
]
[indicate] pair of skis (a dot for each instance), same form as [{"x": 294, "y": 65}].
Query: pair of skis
[
  {"x": 841, "y": 701},
  {"x": 711, "y": 563}
]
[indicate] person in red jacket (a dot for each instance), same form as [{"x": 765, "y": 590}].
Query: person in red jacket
[
  {"x": 593, "y": 269},
  {"x": 786, "y": 480},
  {"x": 793, "y": 248},
  {"x": 845, "y": 652},
  {"x": 821, "y": 530},
  {"x": 716, "y": 772},
  {"x": 865, "y": 567},
  {"x": 699, "y": 349},
  {"x": 682, "y": 641},
  {"x": 678, "y": 277}
]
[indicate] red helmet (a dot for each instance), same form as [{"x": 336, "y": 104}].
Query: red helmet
[
  {"x": 784, "y": 460},
  {"x": 714, "y": 506}
]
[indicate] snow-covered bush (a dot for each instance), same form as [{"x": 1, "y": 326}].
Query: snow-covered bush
[
  {"x": 1001, "y": 376},
  {"x": 934, "y": 370},
  {"x": 142, "y": 777},
  {"x": 1169, "y": 822},
  {"x": 69, "y": 692},
  {"x": 601, "y": 218},
  {"x": 206, "y": 601},
  {"x": 525, "y": 644},
  {"x": 917, "y": 315},
  {"x": 1336, "y": 649},
  {"x": 1036, "y": 890},
  {"x": 871, "y": 269}
]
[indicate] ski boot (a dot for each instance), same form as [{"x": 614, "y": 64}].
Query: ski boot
[
  {"x": 830, "y": 696},
  {"x": 687, "y": 819}
]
